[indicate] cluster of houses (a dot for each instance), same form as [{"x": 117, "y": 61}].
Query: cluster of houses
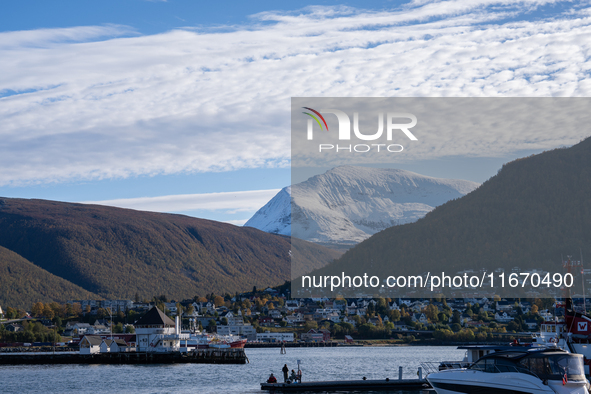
[
  {"x": 294, "y": 313},
  {"x": 278, "y": 311}
]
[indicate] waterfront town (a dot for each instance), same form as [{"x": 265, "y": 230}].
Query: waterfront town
[{"x": 270, "y": 316}]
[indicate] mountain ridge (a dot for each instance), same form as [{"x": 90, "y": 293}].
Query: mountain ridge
[
  {"x": 347, "y": 204},
  {"x": 115, "y": 252}
]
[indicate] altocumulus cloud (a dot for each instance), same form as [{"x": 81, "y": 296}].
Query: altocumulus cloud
[{"x": 103, "y": 102}]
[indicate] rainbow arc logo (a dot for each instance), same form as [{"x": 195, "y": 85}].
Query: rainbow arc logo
[{"x": 315, "y": 118}]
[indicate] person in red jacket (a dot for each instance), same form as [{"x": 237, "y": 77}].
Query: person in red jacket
[{"x": 272, "y": 379}]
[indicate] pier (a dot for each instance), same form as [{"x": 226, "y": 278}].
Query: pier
[
  {"x": 292, "y": 344},
  {"x": 350, "y": 385},
  {"x": 199, "y": 356}
]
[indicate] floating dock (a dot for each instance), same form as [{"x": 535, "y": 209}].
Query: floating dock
[
  {"x": 350, "y": 385},
  {"x": 200, "y": 356}
]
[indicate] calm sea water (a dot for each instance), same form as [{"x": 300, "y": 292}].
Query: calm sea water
[{"x": 317, "y": 364}]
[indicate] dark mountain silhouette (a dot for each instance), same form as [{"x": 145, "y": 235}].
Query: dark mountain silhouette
[
  {"x": 115, "y": 252},
  {"x": 531, "y": 213}
]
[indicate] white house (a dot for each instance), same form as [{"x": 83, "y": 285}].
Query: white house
[
  {"x": 420, "y": 317},
  {"x": 105, "y": 346},
  {"x": 234, "y": 320},
  {"x": 90, "y": 344},
  {"x": 334, "y": 317},
  {"x": 503, "y": 317},
  {"x": 156, "y": 332},
  {"x": 275, "y": 336},
  {"x": 81, "y": 328},
  {"x": 296, "y": 318},
  {"x": 119, "y": 346},
  {"x": 246, "y": 330}
]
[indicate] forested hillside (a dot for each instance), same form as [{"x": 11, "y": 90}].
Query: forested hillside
[
  {"x": 116, "y": 253},
  {"x": 23, "y": 283}
]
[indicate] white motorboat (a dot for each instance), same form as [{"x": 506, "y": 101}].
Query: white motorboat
[{"x": 516, "y": 371}]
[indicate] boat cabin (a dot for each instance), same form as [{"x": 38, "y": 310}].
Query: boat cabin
[{"x": 546, "y": 364}]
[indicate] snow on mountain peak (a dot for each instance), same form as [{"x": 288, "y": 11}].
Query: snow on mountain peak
[{"x": 348, "y": 204}]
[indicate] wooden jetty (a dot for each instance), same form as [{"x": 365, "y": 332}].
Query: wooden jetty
[
  {"x": 350, "y": 385},
  {"x": 199, "y": 356}
]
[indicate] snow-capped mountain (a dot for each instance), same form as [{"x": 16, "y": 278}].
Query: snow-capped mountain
[{"x": 348, "y": 204}]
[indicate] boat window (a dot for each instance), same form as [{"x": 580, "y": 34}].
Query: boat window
[
  {"x": 572, "y": 365},
  {"x": 495, "y": 365},
  {"x": 537, "y": 365},
  {"x": 486, "y": 365},
  {"x": 553, "y": 367}
]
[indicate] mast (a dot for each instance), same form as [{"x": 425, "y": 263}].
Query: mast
[{"x": 583, "y": 280}]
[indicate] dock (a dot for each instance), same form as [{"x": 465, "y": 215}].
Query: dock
[
  {"x": 199, "y": 356},
  {"x": 350, "y": 385}
]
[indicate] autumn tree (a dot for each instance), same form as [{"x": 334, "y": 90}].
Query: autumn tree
[
  {"x": 218, "y": 301},
  {"x": 37, "y": 309},
  {"x": 431, "y": 312}
]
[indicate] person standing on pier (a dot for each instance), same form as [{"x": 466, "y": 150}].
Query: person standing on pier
[{"x": 285, "y": 371}]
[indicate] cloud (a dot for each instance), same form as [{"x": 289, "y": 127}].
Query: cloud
[
  {"x": 81, "y": 106},
  {"x": 229, "y": 202}
]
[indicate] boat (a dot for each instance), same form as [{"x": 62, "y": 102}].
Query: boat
[
  {"x": 572, "y": 334},
  {"x": 473, "y": 354},
  {"x": 207, "y": 341},
  {"x": 516, "y": 371}
]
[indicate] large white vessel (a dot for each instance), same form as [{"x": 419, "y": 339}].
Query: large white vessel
[{"x": 517, "y": 371}]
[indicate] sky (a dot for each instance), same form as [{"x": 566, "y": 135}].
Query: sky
[{"x": 184, "y": 106}]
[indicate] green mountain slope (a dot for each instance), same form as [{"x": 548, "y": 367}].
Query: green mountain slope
[
  {"x": 531, "y": 213},
  {"x": 117, "y": 252},
  {"x": 23, "y": 283}
]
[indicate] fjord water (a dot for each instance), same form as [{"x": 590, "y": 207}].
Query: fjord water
[{"x": 341, "y": 363}]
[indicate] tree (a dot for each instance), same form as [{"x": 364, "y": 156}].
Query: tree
[
  {"x": 431, "y": 312},
  {"x": 218, "y": 301},
  {"x": 48, "y": 312},
  {"x": 76, "y": 309},
  {"x": 101, "y": 313},
  {"x": 37, "y": 309},
  {"x": 395, "y": 315},
  {"x": 129, "y": 329},
  {"x": 310, "y": 325}
]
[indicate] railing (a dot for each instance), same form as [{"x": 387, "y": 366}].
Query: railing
[{"x": 432, "y": 367}]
